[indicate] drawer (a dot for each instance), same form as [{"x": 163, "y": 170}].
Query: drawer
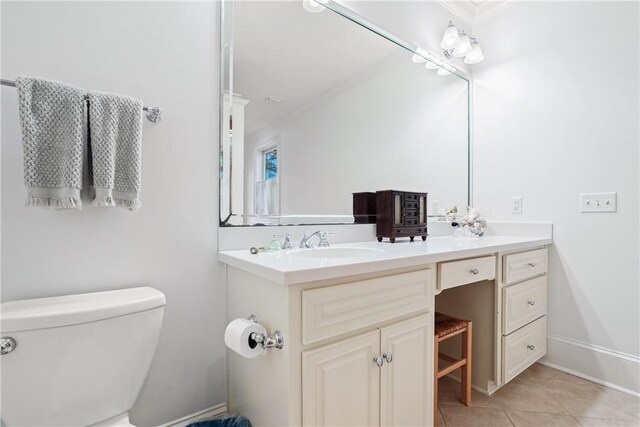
[
  {"x": 458, "y": 273},
  {"x": 411, "y": 213},
  {"x": 410, "y": 231},
  {"x": 335, "y": 310},
  {"x": 523, "y": 303},
  {"x": 524, "y": 265},
  {"x": 524, "y": 347}
]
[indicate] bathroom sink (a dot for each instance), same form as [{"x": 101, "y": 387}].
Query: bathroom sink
[{"x": 336, "y": 253}]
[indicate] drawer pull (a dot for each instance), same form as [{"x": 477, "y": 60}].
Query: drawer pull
[
  {"x": 378, "y": 361},
  {"x": 388, "y": 357},
  {"x": 532, "y": 264},
  {"x": 531, "y": 302},
  {"x": 474, "y": 271},
  {"x": 531, "y": 347}
]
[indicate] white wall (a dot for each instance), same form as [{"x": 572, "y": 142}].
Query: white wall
[
  {"x": 166, "y": 54},
  {"x": 395, "y": 125},
  {"x": 556, "y": 114}
]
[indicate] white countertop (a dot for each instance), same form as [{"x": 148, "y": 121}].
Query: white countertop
[{"x": 281, "y": 267}]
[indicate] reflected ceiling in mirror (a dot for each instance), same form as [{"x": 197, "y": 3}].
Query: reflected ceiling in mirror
[{"x": 317, "y": 107}]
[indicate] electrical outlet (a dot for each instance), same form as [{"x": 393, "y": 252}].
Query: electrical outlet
[
  {"x": 516, "y": 205},
  {"x": 598, "y": 202},
  {"x": 435, "y": 207}
]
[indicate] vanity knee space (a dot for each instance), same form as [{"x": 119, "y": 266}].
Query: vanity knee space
[{"x": 505, "y": 295}]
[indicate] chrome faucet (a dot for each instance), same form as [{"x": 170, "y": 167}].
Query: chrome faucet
[
  {"x": 306, "y": 241},
  {"x": 286, "y": 242}
]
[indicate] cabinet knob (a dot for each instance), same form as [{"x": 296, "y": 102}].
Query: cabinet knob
[
  {"x": 531, "y": 302},
  {"x": 474, "y": 271},
  {"x": 531, "y": 347},
  {"x": 388, "y": 357},
  {"x": 378, "y": 361},
  {"x": 532, "y": 264}
]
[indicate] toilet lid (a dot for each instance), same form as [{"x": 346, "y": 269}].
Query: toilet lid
[{"x": 40, "y": 313}]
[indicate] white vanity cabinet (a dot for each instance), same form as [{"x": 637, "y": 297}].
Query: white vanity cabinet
[
  {"x": 358, "y": 335},
  {"x": 524, "y": 310},
  {"x": 505, "y": 295},
  {"x": 343, "y": 385},
  {"x": 357, "y": 350}
]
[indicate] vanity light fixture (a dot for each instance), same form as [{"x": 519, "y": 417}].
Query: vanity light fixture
[
  {"x": 457, "y": 43},
  {"x": 431, "y": 65},
  {"x": 475, "y": 55},
  {"x": 443, "y": 72},
  {"x": 313, "y": 6},
  {"x": 451, "y": 37},
  {"x": 463, "y": 48},
  {"x": 418, "y": 59}
]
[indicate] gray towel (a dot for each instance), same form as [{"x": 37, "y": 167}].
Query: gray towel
[
  {"x": 115, "y": 129},
  {"x": 51, "y": 116}
]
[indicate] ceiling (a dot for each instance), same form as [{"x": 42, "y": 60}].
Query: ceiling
[
  {"x": 470, "y": 11},
  {"x": 283, "y": 51}
]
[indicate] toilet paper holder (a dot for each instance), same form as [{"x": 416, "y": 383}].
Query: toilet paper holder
[{"x": 275, "y": 340}]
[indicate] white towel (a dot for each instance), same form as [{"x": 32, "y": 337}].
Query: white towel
[
  {"x": 115, "y": 129},
  {"x": 51, "y": 116}
]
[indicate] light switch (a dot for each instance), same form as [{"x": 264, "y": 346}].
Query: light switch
[{"x": 598, "y": 202}]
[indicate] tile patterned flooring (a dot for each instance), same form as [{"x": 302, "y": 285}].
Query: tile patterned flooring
[{"x": 539, "y": 397}]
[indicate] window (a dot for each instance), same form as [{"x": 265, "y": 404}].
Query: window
[{"x": 270, "y": 163}]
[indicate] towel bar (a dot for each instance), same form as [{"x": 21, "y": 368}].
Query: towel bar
[{"x": 154, "y": 114}]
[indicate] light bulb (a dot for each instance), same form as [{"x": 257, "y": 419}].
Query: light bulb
[
  {"x": 450, "y": 39},
  {"x": 430, "y": 65},
  {"x": 418, "y": 59},
  {"x": 312, "y": 6},
  {"x": 463, "y": 48},
  {"x": 443, "y": 72},
  {"x": 475, "y": 55}
]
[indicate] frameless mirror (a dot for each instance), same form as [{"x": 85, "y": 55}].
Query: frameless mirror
[{"x": 319, "y": 104}]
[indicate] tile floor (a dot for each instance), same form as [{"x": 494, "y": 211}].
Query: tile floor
[{"x": 539, "y": 397}]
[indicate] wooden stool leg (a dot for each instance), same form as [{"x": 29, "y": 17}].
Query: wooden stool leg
[
  {"x": 435, "y": 381},
  {"x": 465, "y": 380}
]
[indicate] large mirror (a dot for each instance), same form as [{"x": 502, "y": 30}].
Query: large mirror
[{"x": 319, "y": 104}]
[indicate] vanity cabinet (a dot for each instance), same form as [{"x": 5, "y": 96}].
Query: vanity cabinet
[
  {"x": 524, "y": 310},
  {"x": 358, "y": 350},
  {"x": 358, "y": 338},
  {"x": 401, "y": 214},
  {"x": 344, "y": 385},
  {"x": 505, "y": 295}
]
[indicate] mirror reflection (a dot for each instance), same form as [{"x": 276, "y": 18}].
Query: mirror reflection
[{"x": 318, "y": 107}]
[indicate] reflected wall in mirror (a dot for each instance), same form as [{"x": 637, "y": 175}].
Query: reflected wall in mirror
[{"x": 317, "y": 107}]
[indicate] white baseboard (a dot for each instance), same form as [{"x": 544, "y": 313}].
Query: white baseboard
[
  {"x": 614, "y": 369},
  {"x": 205, "y": 414}
]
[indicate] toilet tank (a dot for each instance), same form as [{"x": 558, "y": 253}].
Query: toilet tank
[{"x": 78, "y": 359}]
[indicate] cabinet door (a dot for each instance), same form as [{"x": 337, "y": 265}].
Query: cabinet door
[
  {"x": 406, "y": 386},
  {"x": 341, "y": 383}
]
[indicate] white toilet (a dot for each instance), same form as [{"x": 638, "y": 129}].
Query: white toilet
[{"x": 77, "y": 360}]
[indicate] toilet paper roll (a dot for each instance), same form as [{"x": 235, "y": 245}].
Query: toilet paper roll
[{"x": 237, "y": 337}]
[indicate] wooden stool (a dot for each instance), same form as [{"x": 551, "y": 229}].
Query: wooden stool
[{"x": 445, "y": 328}]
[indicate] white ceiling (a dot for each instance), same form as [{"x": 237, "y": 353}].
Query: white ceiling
[
  {"x": 283, "y": 51},
  {"x": 470, "y": 11}
]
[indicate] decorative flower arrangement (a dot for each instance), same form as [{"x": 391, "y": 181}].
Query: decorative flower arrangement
[{"x": 473, "y": 222}]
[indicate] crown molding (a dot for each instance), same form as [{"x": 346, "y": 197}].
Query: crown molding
[
  {"x": 486, "y": 9},
  {"x": 471, "y": 11},
  {"x": 465, "y": 10}
]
